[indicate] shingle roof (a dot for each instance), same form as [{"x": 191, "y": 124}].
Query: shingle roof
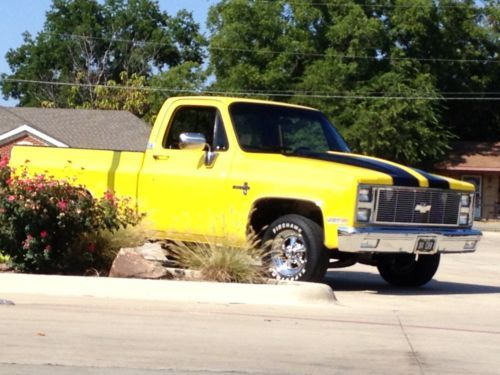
[
  {"x": 473, "y": 156},
  {"x": 82, "y": 128}
]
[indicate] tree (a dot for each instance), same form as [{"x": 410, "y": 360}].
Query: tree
[
  {"x": 92, "y": 42},
  {"x": 380, "y": 70}
]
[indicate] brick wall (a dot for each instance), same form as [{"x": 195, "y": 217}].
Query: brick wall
[
  {"x": 6, "y": 148},
  {"x": 490, "y": 191}
]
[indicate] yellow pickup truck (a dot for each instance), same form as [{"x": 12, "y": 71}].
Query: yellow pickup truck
[{"x": 217, "y": 168}]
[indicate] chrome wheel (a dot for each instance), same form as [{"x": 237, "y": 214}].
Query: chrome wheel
[
  {"x": 294, "y": 248},
  {"x": 288, "y": 255}
]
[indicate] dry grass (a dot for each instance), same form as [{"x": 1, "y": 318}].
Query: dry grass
[
  {"x": 221, "y": 262},
  {"x": 107, "y": 245}
]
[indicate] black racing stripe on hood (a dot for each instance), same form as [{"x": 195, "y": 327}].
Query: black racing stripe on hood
[
  {"x": 400, "y": 177},
  {"x": 434, "y": 181}
]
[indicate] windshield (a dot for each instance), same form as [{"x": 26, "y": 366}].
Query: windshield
[{"x": 278, "y": 129}]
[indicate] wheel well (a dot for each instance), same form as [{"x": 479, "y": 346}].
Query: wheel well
[{"x": 265, "y": 211}]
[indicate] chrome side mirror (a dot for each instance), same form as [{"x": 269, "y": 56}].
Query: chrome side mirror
[
  {"x": 192, "y": 141},
  {"x": 197, "y": 141}
]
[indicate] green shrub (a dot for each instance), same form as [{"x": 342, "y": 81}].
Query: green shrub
[
  {"x": 4, "y": 258},
  {"x": 43, "y": 222},
  {"x": 221, "y": 262}
]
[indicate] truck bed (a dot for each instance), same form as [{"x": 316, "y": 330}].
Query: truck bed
[{"x": 98, "y": 170}]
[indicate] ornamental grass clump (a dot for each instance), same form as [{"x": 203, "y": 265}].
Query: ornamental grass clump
[
  {"x": 221, "y": 262},
  {"x": 43, "y": 222}
]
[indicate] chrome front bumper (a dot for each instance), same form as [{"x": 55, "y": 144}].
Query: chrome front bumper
[{"x": 407, "y": 240}]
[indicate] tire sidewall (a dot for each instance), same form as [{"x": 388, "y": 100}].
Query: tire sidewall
[
  {"x": 419, "y": 273},
  {"x": 311, "y": 235}
]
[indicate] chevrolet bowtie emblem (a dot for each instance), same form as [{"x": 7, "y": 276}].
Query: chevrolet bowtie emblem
[{"x": 423, "y": 208}]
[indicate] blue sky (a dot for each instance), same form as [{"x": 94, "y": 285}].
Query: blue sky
[{"x": 19, "y": 16}]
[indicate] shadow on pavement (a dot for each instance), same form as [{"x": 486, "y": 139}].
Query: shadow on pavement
[{"x": 365, "y": 281}]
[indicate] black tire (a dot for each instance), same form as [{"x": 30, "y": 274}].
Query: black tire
[
  {"x": 405, "y": 270},
  {"x": 294, "y": 249}
]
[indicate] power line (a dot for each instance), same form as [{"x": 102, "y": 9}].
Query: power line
[
  {"x": 250, "y": 93},
  {"x": 346, "y": 4},
  {"x": 289, "y": 53},
  {"x": 354, "y": 57}
]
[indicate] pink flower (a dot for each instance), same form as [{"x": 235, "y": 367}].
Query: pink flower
[
  {"x": 91, "y": 247},
  {"x": 4, "y": 161},
  {"x": 109, "y": 195},
  {"x": 43, "y": 234},
  {"x": 27, "y": 242},
  {"x": 9, "y": 181},
  {"x": 11, "y": 198},
  {"x": 47, "y": 249},
  {"x": 62, "y": 205}
]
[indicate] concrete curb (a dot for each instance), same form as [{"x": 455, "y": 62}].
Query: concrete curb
[
  {"x": 280, "y": 293},
  {"x": 487, "y": 226}
]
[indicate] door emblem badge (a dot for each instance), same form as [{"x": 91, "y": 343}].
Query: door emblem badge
[{"x": 245, "y": 187}]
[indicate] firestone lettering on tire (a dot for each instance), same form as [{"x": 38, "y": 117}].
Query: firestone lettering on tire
[{"x": 283, "y": 226}]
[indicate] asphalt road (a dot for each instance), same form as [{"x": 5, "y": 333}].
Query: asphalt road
[{"x": 450, "y": 326}]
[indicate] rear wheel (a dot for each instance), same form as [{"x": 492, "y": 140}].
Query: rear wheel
[
  {"x": 406, "y": 270},
  {"x": 295, "y": 249}
]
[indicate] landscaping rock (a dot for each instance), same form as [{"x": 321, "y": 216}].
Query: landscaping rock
[
  {"x": 131, "y": 263},
  {"x": 153, "y": 251}
]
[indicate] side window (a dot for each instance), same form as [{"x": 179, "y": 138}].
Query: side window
[{"x": 205, "y": 120}]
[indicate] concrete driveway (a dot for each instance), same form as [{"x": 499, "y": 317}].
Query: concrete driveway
[{"x": 450, "y": 326}]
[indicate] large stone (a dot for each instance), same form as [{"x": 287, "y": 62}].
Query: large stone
[
  {"x": 153, "y": 251},
  {"x": 132, "y": 264}
]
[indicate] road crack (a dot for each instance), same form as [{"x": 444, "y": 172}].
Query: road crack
[{"x": 412, "y": 349}]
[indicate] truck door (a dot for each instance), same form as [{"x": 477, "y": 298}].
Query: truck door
[{"x": 183, "y": 197}]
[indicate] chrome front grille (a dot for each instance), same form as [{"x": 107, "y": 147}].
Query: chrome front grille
[{"x": 417, "y": 206}]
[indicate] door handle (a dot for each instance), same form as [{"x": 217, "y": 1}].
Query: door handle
[{"x": 160, "y": 157}]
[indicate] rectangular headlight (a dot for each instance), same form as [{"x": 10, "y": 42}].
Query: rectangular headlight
[
  {"x": 365, "y": 194},
  {"x": 363, "y": 214},
  {"x": 463, "y": 219},
  {"x": 465, "y": 200}
]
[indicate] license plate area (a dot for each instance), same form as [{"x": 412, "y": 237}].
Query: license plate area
[{"x": 426, "y": 245}]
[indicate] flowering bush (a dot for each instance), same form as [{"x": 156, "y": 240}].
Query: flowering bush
[{"x": 43, "y": 222}]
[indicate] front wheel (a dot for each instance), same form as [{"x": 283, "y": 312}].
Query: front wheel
[
  {"x": 406, "y": 270},
  {"x": 295, "y": 250}
]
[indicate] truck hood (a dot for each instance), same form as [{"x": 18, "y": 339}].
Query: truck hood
[{"x": 400, "y": 174}]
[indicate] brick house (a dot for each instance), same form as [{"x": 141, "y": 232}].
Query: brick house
[
  {"x": 478, "y": 163},
  {"x": 81, "y": 128}
]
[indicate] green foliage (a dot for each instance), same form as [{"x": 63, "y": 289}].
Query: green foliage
[
  {"x": 4, "y": 258},
  {"x": 221, "y": 262},
  {"x": 183, "y": 78},
  {"x": 366, "y": 64},
  {"x": 43, "y": 222},
  {"x": 90, "y": 42},
  {"x": 128, "y": 95}
]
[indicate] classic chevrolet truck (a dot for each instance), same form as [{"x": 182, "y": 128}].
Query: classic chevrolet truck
[{"x": 217, "y": 168}]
